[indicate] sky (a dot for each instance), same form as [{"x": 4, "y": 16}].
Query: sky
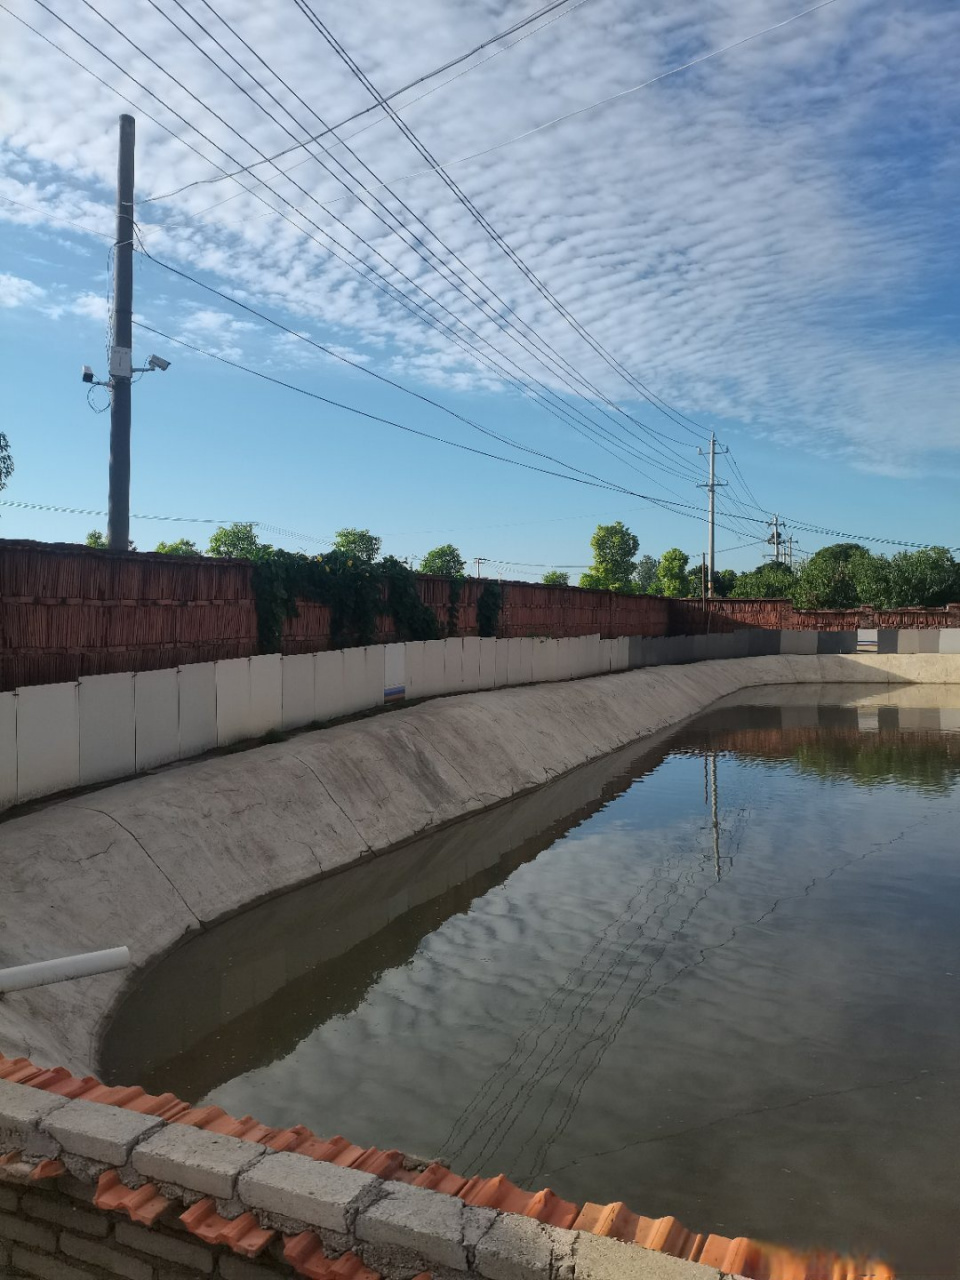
[{"x": 763, "y": 241}]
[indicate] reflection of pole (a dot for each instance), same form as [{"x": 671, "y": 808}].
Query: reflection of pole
[
  {"x": 714, "y": 813},
  {"x": 706, "y": 781}
]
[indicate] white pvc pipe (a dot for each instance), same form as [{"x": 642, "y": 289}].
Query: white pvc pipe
[{"x": 23, "y": 976}]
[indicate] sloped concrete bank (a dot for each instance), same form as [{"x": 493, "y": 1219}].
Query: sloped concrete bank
[{"x": 148, "y": 862}]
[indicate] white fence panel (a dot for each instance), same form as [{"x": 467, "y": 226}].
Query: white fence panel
[
  {"x": 8, "y": 750},
  {"x": 197, "y": 687},
  {"x": 501, "y": 655},
  {"x": 515, "y": 660},
  {"x": 297, "y": 678},
  {"x": 621, "y": 653},
  {"x": 266, "y": 693},
  {"x": 354, "y": 681},
  {"x": 488, "y": 662},
  {"x": 527, "y": 650},
  {"x": 157, "y": 709},
  {"x": 566, "y": 655},
  {"x": 471, "y": 664},
  {"x": 374, "y": 675},
  {"x": 433, "y": 668},
  {"x": 48, "y": 740},
  {"x": 394, "y": 672},
  {"x": 330, "y": 701},
  {"x": 453, "y": 665},
  {"x": 108, "y": 742},
  {"x": 414, "y": 664},
  {"x": 234, "y": 722}
]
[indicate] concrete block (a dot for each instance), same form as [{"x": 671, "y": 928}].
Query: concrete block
[
  {"x": 700, "y": 649},
  {"x": 763, "y": 643},
  {"x": 312, "y": 1191},
  {"x": 329, "y": 699},
  {"x": 105, "y": 1256},
  {"x": 527, "y": 644},
  {"x": 233, "y": 700},
  {"x": 471, "y": 664},
  {"x": 453, "y": 665},
  {"x": 515, "y": 1248},
  {"x": 567, "y": 650},
  {"x": 266, "y": 693},
  {"x": 798, "y": 642},
  {"x": 488, "y": 662},
  {"x": 298, "y": 673},
  {"x": 929, "y": 641},
  {"x": 107, "y": 727},
  {"x": 636, "y": 652},
  {"x": 887, "y": 640},
  {"x": 950, "y": 640},
  {"x": 514, "y": 655},
  {"x": 501, "y": 656},
  {"x": 394, "y": 672},
  {"x": 198, "y": 1259},
  {"x": 34, "y": 1234},
  {"x": 836, "y": 642},
  {"x": 197, "y": 689},
  {"x": 48, "y": 740},
  {"x": 354, "y": 681},
  {"x": 427, "y": 1223},
  {"x": 600, "y": 1258},
  {"x": 621, "y": 653},
  {"x": 157, "y": 705},
  {"x": 63, "y": 1213},
  {"x": 540, "y": 661},
  {"x": 908, "y": 641},
  {"x": 589, "y": 655},
  {"x": 374, "y": 675},
  {"x": 34, "y": 1264},
  {"x": 192, "y": 1158},
  {"x": 8, "y": 749},
  {"x": 22, "y": 1112},
  {"x": 99, "y": 1132}
]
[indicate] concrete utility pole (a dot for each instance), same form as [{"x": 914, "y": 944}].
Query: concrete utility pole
[
  {"x": 121, "y": 349},
  {"x": 480, "y": 560},
  {"x": 776, "y": 538},
  {"x": 712, "y": 486}
]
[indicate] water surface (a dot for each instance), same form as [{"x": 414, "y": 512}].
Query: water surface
[{"x": 718, "y": 980}]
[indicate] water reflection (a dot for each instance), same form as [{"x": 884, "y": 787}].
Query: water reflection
[{"x": 718, "y": 981}]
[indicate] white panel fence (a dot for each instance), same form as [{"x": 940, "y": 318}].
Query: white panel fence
[{"x": 59, "y": 736}]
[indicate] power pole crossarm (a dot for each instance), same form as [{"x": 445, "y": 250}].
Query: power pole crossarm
[{"x": 121, "y": 349}]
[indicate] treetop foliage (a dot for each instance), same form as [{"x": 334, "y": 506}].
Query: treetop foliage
[{"x": 445, "y": 561}]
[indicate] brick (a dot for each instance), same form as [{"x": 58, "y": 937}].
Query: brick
[
  {"x": 427, "y": 1223},
  {"x": 182, "y": 1156},
  {"x": 32, "y": 1264},
  {"x": 8, "y": 1200},
  {"x": 237, "y": 1269},
  {"x": 21, "y": 1111},
  {"x": 599, "y": 1258},
  {"x": 98, "y": 1132},
  {"x": 310, "y": 1191},
  {"x": 106, "y": 1257},
  {"x": 24, "y": 1232},
  {"x": 64, "y": 1213},
  {"x": 516, "y": 1248},
  {"x": 169, "y": 1248}
]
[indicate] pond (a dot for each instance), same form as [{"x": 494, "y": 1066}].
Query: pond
[{"x": 716, "y": 978}]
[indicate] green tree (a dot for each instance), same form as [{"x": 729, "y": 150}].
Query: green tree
[
  {"x": 446, "y": 561},
  {"x": 829, "y": 578},
  {"x": 769, "y": 581},
  {"x": 357, "y": 544},
  {"x": 237, "y": 542},
  {"x": 645, "y": 575},
  {"x": 556, "y": 578},
  {"x": 6, "y": 460},
  {"x": 95, "y": 539},
  {"x": 614, "y": 548},
  {"x": 672, "y": 577},
  {"x": 929, "y": 576},
  {"x": 724, "y": 583},
  {"x": 182, "y": 547}
]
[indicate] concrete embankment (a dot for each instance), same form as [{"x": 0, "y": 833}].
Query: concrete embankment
[{"x": 148, "y": 862}]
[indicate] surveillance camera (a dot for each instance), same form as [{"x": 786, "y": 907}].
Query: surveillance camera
[
  {"x": 87, "y": 373},
  {"x": 158, "y": 362}
]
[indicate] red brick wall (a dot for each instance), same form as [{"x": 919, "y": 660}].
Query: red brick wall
[{"x": 689, "y": 617}]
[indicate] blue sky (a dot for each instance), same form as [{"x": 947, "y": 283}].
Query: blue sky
[{"x": 765, "y": 239}]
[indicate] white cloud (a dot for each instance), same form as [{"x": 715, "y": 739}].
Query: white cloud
[
  {"x": 17, "y": 292},
  {"x": 766, "y": 236}
]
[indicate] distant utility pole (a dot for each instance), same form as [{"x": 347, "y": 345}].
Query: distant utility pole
[
  {"x": 121, "y": 348},
  {"x": 480, "y": 560},
  {"x": 703, "y": 576},
  {"x": 712, "y": 485},
  {"x": 790, "y": 551},
  {"x": 776, "y": 539}
]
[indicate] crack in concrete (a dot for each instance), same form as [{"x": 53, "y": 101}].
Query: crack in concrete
[
  {"x": 103, "y": 813},
  {"x": 334, "y": 802},
  {"x": 466, "y": 782},
  {"x": 370, "y": 1196}
]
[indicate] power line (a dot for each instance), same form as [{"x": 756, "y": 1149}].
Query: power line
[{"x": 413, "y": 84}]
